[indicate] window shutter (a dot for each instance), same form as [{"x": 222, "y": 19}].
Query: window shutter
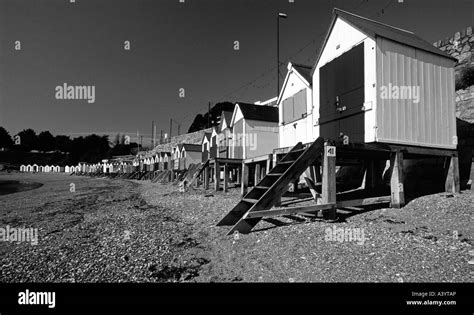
[{"x": 300, "y": 104}]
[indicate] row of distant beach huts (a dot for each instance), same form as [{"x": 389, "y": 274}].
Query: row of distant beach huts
[{"x": 159, "y": 161}]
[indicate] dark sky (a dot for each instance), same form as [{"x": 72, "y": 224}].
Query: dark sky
[{"x": 173, "y": 46}]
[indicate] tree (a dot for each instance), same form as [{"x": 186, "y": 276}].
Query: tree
[
  {"x": 200, "y": 121},
  {"x": 5, "y": 139},
  {"x": 28, "y": 140},
  {"x": 46, "y": 141},
  {"x": 62, "y": 143}
]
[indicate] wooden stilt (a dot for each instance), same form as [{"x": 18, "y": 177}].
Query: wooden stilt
[
  {"x": 396, "y": 180},
  {"x": 172, "y": 176},
  {"x": 245, "y": 178},
  {"x": 217, "y": 175},
  {"x": 269, "y": 163},
  {"x": 328, "y": 189},
  {"x": 226, "y": 177},
  {"x": 239, "y": 175},
  {"x": 257, "y": 174},
  {"x": 206, "y": 177},
  {"x": 452, "y": 175}
]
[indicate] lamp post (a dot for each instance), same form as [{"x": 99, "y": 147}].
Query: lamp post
[{"x": 283, "y": 16}]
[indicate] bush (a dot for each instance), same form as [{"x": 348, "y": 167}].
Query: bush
[{"x": 465, "y": 79}]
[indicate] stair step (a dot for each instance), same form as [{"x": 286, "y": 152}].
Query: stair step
[
  {"x": 286, "y": 162},
  {"x": 274, "y": 174},
  {"x": 262, "y": 187},
  {"x": 250, "y": 200}
]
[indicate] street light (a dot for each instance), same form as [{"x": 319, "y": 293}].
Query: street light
[{"x": 283, "y": 16}]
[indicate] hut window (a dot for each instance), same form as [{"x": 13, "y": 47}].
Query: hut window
[{"x": 294, "y": 107}]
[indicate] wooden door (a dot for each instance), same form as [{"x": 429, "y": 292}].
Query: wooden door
[{"x": 342, "y": 96}]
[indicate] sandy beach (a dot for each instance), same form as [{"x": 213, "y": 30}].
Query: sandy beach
[{"x": 113, "y": 230}]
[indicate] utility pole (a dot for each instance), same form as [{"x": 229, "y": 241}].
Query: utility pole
[
  {"x": 208, "y": 114},
  {"x": 138, "y": 141},
  {"x": 178, "y": 128},
  {"x": 161, "y": 136},
  {"x": 171, "y": 127},
  {"x": 283, "y": 16}
]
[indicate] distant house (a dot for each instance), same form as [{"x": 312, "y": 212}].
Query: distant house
[
  {"x": 35, "y": 168},
  {"x": 254, "y": 130},
  {"x": 295, "y": 105},
  {"x": 29, "y": 168},
  {"x": 23, "y": 168}
]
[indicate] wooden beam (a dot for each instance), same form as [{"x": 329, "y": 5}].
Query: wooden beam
[
  {"x": 312, "y": 189},
  {"x": 287, "y": 211},
  {"x": 245, "y": 178},
  {"x": 423, "y": 151},
  {"x": 452, "y": 175},
  {"x": 328, "y": 189},
  {"x": 363, "y": 202},
  {"x": 396, "y": 180},
  {"x": 226, "y": 177}
]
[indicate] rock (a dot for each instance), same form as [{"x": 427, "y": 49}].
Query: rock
[
  {"x": 457, "y": 35},
  {"x": 466, "y": 48},
  {"x": 469, "y": 31}
]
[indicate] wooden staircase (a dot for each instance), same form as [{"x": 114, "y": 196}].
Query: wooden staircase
[
  {"x": 270, "y": 189},
  {"x": 197, "y": 172}
]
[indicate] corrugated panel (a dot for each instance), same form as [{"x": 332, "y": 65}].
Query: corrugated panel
[{"x": 425, "y": 114}]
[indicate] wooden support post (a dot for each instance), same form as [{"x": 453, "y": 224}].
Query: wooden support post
[
  {"x": 328, "y": 189},
  {"x": 245, "y": 178},
  {"x": 217, "y": 175},
  {"x": 206, "y": 177},
  {"x": 452, "y": 175},
  {"x": 269, "y": 163},
  {"x": 239, "y": 176},
  {"x": 172, "y": 176},
  {"x": 226, "y": 177},
  {"x": 396, "y": 180},
  {"x": 257, "y": 174}
]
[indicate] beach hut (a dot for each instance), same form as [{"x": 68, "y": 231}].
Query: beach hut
[
  {"x": 56, "y": 169},
  {"x": 295, "y": 106},
  {"x": 41, "y": 169},
  {"x": 213, "y": 150},
  {"x": 206, "y": 145},
  {"x": 176, "y": 156},
  {"x": 225, "y": 135},
  {"x": 23, "y": 168},
  {"x": 254, "y": 130},
  {"x": 190, "y": 154},
  {"x": 29, "y": 168},
  {"x": 378, "y": 83},
  {"x": 35, "y": 168}
]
